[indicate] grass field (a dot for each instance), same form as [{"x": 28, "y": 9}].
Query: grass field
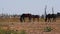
[{"x": 30, "y": 27}]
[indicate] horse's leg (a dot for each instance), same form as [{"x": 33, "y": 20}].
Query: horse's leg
[
  {"x": 21, "y": 18},
  {"x": 33, "y": 19},
  {"x": 24, "y": 19},
  {"x": 54, "y": 19},
  {"x": 50, "y": 19},
  {"x": 29, "y": 19},
  {"x": 45, "y": 19},
  {"x": 38, "y": 19}
]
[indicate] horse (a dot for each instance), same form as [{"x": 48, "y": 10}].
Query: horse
[
  {"x": 23, "y": 16},
  {"x": 48, "y": 17},
  {"x": 35, "y": 16}
]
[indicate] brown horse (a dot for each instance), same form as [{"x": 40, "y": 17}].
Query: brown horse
[
  {"x": 35, "y": 16},
  {"x": 49, "y": 17},
  {"x": 23, "y": 16}
]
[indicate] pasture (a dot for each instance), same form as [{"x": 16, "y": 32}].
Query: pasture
[{"x": 30, "y": 27}]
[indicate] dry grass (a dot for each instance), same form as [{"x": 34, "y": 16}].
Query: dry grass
[
  {"x": 9, "y": 20},
  {"x": 33, "y": 27}
]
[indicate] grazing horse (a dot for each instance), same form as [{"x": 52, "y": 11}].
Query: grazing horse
[
  {"x": 49, "y": 17},
  {"x": 23, "y": 16},
  {"x": 35, "y": 16}
]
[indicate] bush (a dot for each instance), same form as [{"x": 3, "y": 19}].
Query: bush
[
  {"x": 7, "y": 32},
  {"x": 48, "y": 29},
  {"x": 11, "y": 32},
  {"x": 22, "y": 32},
  {"x": 2, "y": 31}
]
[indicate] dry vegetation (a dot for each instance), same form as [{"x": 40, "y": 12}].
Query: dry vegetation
[{"x": 30, "y": 27}]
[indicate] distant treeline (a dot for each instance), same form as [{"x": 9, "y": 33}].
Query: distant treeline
[{"x": 18, "y": 16}]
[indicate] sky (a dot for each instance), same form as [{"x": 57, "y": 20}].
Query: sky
[{"x": 36, "y": 7}]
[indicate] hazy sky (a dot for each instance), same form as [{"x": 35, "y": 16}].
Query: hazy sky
[{"x": 28, "y": 6}]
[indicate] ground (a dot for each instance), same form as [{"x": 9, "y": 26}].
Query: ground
[{"x": 30, "y": 27}]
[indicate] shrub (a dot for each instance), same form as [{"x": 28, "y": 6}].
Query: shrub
[
  {"x": 7, "y": 32},
  {"x": 22, "y": 32},
  {"x": 2, "y": 31},
  {"x": 48, "y": 29},
  {"x": 11, "y": 32}
]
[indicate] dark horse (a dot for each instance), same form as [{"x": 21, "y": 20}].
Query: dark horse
[
  {"x": 23, "y": 16},
  {"x": 35, "y": 16},
  {"x": 49, "y": 17}
]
